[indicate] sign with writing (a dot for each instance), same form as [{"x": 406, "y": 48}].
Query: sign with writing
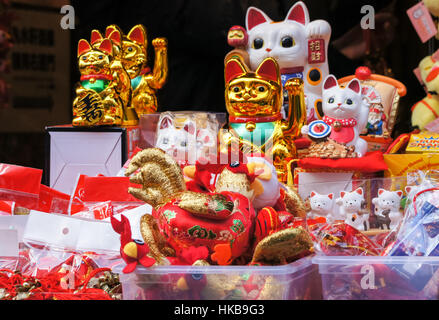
[
  {"x": 40, "y": 70},
  {"x": 427, "y": 142},
  {"x": 316, "y": 51},
  {"x": 422, "y": 21}
]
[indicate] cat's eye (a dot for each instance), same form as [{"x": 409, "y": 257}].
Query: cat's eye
[
  {"x": 101, "y": 57},
  {"x": 261, "y": 89},
  {"x": 183, "y": 143},
  {"x": 349, "y": 102},
  {"x": 165, "y": 141},
  {"x": 130, "y": 49},
  {"x": 84, "y": 58},
  {"x": 258, "y": 43},
  {"x": 287, "y": 42},
  {"x": 236, "y": 89},
  {"x": 331, "y": 100}
]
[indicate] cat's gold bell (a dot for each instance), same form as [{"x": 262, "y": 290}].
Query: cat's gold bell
[
  {"x": 250, "y": 126},
  {"x": 337, "y": 126}
]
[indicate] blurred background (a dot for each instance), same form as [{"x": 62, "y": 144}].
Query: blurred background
[{"x": 43, "y": 67}]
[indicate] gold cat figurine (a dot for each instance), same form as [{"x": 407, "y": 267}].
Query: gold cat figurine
[
  {"x": 144, "y": 83},
  {"x": 254, "y": 102},
  {"x": 113, "y": 33},
  {"x": 97, "y": 101}
]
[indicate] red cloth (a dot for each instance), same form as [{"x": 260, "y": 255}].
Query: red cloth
[{"x": 371, "y": 162}]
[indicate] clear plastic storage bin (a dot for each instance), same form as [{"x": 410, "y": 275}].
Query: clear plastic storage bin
[
  {"x": 379, "y": 278},
  {"x": 296, "y": 281}
]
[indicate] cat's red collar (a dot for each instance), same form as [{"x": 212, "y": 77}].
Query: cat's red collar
[
  {"x": 96, "y": 77},
  {"x": 291, "y": 70},
  {"x": 351, "y": 122},
  {"x": 273, "y": 118}
]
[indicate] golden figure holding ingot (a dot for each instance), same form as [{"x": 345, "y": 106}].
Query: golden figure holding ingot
[
  {"x": 254, "y": 102},
  {"x": 98, "y": 96}
]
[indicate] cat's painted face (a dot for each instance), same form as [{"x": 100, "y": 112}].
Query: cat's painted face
[
  {"x": 352, "y": 201},
  {"x": 253, "y": 93},
  {"x": 342, "y": 103},
  {"x": 389, "y": 199},
  {"x": 134, "y": 56},
  {"x": 321, "y": 203},
  {"x": 284, "y": 41},
  {"x": 94, "y": 60}
]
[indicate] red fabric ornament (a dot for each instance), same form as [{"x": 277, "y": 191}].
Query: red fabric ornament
[
  {"x": 182, "y": 229},
  {"x": 141, "y": 250}
]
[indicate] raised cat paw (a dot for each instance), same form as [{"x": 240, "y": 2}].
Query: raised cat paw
[
  {"x": 318, "y": 29},
  {"x": 160, "y": 43}
]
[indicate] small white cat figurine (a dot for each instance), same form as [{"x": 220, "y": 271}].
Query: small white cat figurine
[
  {"x": 289, "y": 42},
  {"x": 351, "y": 204},
  {"x": 178, "y": 143},
  {"x": 387, "y": 206},
  {"x": 321, "y": 206},
  {"x": 346, "y": 112}
]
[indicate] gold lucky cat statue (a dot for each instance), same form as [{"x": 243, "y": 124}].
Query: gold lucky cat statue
[
  {"x": 144, "y": 83},
  {"x": 98, "y": 95},
  {"x": 254, "y": 103},
  {"x": 113, "y": 33}
]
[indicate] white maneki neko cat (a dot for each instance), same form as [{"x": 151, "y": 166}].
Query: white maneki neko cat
[{"x": 299, "y": 46}]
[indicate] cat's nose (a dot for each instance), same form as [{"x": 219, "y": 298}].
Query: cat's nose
[
  {"x": 268, "y": 49},
  {"x": 246, "y": 96},
  {"x": 339, "y": 104}
]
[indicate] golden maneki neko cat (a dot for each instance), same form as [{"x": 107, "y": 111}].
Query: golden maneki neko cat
[
  {"x": 116, "y": 85},
  {"x": 98, "y": 95},
  {"x": 144, "y": 82},
  {"x": 254, "y": 102}
]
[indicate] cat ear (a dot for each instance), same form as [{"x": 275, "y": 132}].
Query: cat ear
[
  {"x": 106, "y": 46},
  {"x": 138, "y": 34},
  {"x": 298, "y": 13},
  {"x": 313, "y": 194},
  {"x": 355, "y": 85},
  {"x": 110, "y": 29},
  {"x": 399, "y": 193},
  {"x": 233, "y": 69},
  {"x": 408, "y": 189},
  {"x": 269, "y": 69},
  {"x": 116, "y": 37},
  {"x": 330, "y": 82},
  {"x": 331, "y": 196},
  {"x": 359, "y": 191},
  {"x": 380, "y": 191},
  {"x": 255, "y": 17},
  {"x": 83, "y": 47},
  {"x": 166, "y": 122},
  {"x": 95, "y": 37},
  {"x": 342, "y": 194}
]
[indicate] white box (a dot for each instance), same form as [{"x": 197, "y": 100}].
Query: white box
[{"x": 71, "y": 151}]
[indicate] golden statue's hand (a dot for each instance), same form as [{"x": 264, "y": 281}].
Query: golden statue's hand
[
  {"x": 293, "y": 86},
  {"x": 159, "y": 43}
]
